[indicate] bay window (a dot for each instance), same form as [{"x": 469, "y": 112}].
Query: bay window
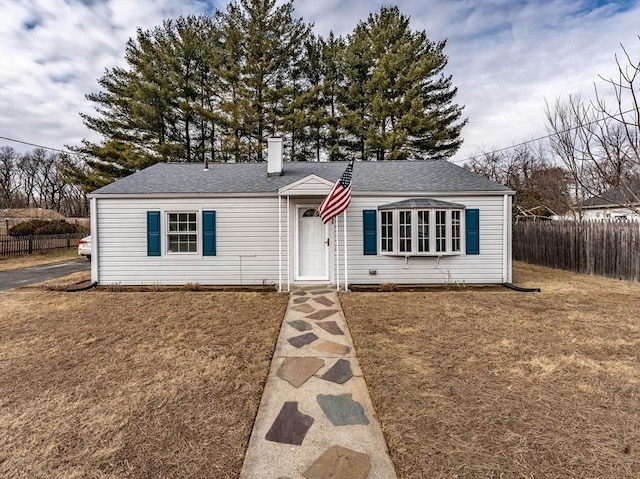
[{"x": 421, "y": 227}]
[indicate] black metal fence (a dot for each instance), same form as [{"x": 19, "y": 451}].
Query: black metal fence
[
  {"x": 605, "y": 248},
  {"x": 22, "y": 245}
]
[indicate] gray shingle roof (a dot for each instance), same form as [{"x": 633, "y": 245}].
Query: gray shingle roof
[
  {"x": 625, "y": 195},
  {"x": 388, "y": 176}
]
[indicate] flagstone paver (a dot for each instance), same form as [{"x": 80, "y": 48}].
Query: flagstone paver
[
  {"x": 296, "y": 371},
  {"x": 300, "y": 300},
  {"x": 322, "y": 291},
  {"x": 339, "y": 373},
  {"x": 323, "y": 300},
  {"x": 339, "y": 462},
  {"x": 322, "y": 314},
  {"x": 300, "y": 325},
  {"x": 332, "y": 348},
  {"x": 304, "y": 308},
  {"x": 291, "y": 426},
  {"x": 331, "y": 327},
  {"x": 302, "y": 340},
  {"x": 342, "y": 410}
]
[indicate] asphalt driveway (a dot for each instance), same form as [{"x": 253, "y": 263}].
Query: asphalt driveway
[{"x": 23, "y": 277}]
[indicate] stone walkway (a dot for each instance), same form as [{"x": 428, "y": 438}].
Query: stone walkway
[{"x": 315, "y": 419}]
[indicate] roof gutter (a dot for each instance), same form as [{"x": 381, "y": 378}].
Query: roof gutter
[{"x": 357, "y": 193}]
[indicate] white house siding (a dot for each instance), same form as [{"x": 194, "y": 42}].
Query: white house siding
[
  {"x": 247, "y": 246},
  {"x": 486, "y": 267},
  {"x": 246, "y": 242},
  {"x": 309, "y": 186}
]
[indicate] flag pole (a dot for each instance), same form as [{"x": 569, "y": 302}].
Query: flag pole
[
  {"x": 344, "y": 225},
  {"x": 279, "y": 244},
  {"x": 337, "y": 234}
]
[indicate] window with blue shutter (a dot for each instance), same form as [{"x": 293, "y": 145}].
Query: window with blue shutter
[
  {"x": 370, "y": 232},
  {"x": 472, "y": 230},
  {"x": 153, "y": 233},
  {"x": 208, "y": 233}
]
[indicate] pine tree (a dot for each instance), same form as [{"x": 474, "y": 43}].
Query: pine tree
[
  {"x": 267, "y": 40},
  {"x": 215, "y": 88},
  {"x": 397, "y": 104},
  {"x": 160, "y": 107},
  {"x": 332, "y": 60}
]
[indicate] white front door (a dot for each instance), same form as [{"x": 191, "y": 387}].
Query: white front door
[{"x": 312, "y": 246}]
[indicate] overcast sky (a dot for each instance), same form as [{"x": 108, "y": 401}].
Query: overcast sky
[{"x": 506, "y": 56}]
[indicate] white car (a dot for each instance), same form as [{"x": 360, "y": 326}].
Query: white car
[{"x": 84, "y": 247}]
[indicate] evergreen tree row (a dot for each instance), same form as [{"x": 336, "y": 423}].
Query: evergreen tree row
[{"x": 216, "y": 87}]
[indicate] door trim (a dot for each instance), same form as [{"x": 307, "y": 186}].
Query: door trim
[{"x": 327, "y": 263}]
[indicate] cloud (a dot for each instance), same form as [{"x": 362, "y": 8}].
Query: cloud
[
  {"x": 506, "y": 57},
  {"x": 52, "y": 53}
]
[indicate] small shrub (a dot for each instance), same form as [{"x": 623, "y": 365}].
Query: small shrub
[
  {"x": 388, "y": 287},
  {"x": 45, "y": 227}
]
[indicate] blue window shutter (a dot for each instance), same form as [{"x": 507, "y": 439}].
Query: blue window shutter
[
  {"x": 370, "y": 229},
  {"x": 153, "y": 233},
  {"x": 472, "y": 230},
  {"x": 208, "y": 233}
]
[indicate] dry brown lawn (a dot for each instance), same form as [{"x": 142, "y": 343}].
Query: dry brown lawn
[
  {"x": 472, "y": 384},
  {"x": 106, "y": 384},
  {"x": 467, "y": 384}
]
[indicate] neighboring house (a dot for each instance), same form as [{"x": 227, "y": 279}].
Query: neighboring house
[
  {"x": 614, "y": 203},
  {"x": 409, "y": 222}
]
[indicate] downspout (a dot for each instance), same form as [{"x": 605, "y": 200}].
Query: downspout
[
  {"x": 83, "y": 288},
  {"x": 521, "y": 290}
]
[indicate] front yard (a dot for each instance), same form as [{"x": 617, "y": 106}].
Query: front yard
[
  {"x": 105, "y": 384},
  {"x": 503, "y": 384},
  {"x": 466, "y": 384}
]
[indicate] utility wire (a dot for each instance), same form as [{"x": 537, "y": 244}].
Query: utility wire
[
  {"x": 37, "y": 146},
  {"x": 457, "y": 161},
  {"x": 536, "y": 139}
]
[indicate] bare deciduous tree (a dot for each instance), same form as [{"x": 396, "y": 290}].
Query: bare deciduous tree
[
  {"x": 9, "y": 185},
  {"x": 541, "y": 187},
  {"x": 600, "y": 144}
]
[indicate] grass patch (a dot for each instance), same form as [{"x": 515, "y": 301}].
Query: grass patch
[
  {"x": 505, "y": 384},
  {"x": 156, "y": 384}
]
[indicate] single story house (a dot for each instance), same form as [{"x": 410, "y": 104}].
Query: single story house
[
  {"x": 409, "y": 222},
  {"x": 614, "y": 203}
]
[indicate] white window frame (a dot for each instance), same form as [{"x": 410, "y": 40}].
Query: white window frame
[
  {"x": 384, "y": 240},
  {"x": 196, "y": 233},
  {"x": 448, "y": 230}
]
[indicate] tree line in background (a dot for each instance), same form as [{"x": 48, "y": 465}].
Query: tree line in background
[
  {"x": 40, "y": 179},
  {"x": 214, "y": 88}
]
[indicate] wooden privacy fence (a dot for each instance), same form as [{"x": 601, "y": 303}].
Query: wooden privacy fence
[
  {"x": 21, "y": 245},
  {"x": 605, "y": 248}
]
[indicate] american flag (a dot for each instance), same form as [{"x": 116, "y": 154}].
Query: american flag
[{"x": 339, "y": 197}]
